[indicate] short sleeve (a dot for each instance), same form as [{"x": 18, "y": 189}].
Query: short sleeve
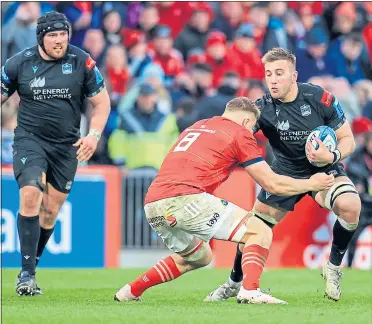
[
  {"x": 93, "y": 81},
  {"x": 246, "y": 149},
  {"x": 331, "y": 109},
  {"x": 9, "y": 77}
]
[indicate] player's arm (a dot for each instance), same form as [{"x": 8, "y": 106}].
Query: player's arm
[
  {"x": 247, "y": 153},
  {"x": 95, "y": 91},
  {"x": 101, "y": 110},
  {"x": 286, "y": 186},
  {"x": 9, "y": 78},
  {"x": 334, "y": 117}
]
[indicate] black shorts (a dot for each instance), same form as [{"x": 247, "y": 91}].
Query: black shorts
[
  {"x": 57, "y": 161},
  {"x": 288, "y": 202}
]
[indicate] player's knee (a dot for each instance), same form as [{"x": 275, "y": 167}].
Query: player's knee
[
  {"x": 30, "y": 201},
  {"x": 258, "y": 232},
  {"x": 348, "y": 208},
  {"x": 199, "y": 257}
]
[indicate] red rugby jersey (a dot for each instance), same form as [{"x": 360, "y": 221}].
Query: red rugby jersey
[{"x": 203, "y": 157}]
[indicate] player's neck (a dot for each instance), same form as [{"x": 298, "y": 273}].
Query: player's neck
[{"x": 292, "y": 95}]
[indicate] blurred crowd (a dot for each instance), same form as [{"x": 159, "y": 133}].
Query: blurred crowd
[{"x": 169, "y": 64}]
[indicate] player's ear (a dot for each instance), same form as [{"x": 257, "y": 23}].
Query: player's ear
[{"x": 294, "y": 76}]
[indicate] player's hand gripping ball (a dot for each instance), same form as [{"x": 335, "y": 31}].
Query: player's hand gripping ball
[{"x": 320, "y": 144}]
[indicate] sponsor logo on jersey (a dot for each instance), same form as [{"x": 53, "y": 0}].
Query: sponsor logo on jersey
[
  {"x": 283, "y": 125},
  {"x": 268, "y": 194},
  {"x": 339, "y": 111},
  {"x": 171, "y": 220},
  {"x": 90, "y": 63},
  {"x": 326, "y": 99},
  {"x": 305, "y": 110},
  {"x": 307, "y": 94},
  {"x": 35, "y": 68},
  {"x": 29, "y": 54},
  {"x": 4, "y": 76},
  {"x": 99, "y": 77},
  {"x": 4, "y": 87},
  {"x": 67, "y": 68},
  {"x": 213, "y": 220},
  {"x": 37, "y": 82},
  {"x": 68, "y": 185}
]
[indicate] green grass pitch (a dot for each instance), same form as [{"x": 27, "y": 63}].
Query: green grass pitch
[{"x": 86, "y": 296}]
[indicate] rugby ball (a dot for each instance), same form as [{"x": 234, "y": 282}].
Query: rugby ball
[{"x": 327, "y": 135}]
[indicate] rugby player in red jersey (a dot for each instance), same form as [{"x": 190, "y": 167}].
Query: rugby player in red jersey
[{"x": 182, "y": 210}]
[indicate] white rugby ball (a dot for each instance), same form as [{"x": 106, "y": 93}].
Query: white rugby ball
[{"x": 327, "y": 135}]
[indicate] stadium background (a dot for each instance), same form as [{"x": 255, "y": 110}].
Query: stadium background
[{"x": 167, "y": 65}]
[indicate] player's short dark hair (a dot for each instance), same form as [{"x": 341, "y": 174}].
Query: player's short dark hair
[
  {"x": 243, "y": 104},
  {"x": 277, "y": 53}
]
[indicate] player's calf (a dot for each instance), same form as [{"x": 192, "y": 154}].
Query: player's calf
[{"x": 196, "y": 256}]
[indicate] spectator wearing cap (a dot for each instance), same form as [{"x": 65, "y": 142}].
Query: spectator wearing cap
[
  {"x": 196, "y": 84},
  {"x": 346, "y": 54},
  {"x": 140, "y": 62},
  {"x": 230, "y": 17},
  {"x": 313, "y": 60},
  {"x": 175, "y": 14},
  {"x": 145, "y": 135},
  {"x": 165, "y": 55},
  {"x": 215, "y": 56},
  {"x": 214, "y": 105},
  {"x": 244, "y": 54},
  {"x": 148, "y": 21},
  {"x": 195, "y": 32},
  {"x": 360, "y": 126}
]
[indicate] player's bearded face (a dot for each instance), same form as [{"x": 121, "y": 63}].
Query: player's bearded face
[
  {"x": 279, "y": 77},
  {"x": 55, "y": 44}
]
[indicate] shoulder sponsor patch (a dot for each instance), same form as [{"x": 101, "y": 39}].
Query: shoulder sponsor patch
[
  {"x": 326, "y": 99},
  {"x": 90, "y": 63},
  {"x": 4, "y": 76},
  {"x": 99, "y": 77},
  {"x": 338, "y": 108},
  {"x": 29, "y": 53}
]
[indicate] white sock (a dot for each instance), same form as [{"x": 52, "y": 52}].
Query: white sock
[
  {"x": 234, "y": 284},
  {"x": 332, "y": 266}
]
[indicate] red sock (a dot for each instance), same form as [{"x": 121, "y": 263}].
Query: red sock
[
  {"x": 165, "y": 270},
  {"x": 253, "y": 263}
]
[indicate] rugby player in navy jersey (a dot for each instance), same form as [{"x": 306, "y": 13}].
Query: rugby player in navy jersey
[
  {"x": 52, "y": 80},
  {"x": 289, "y": 112}
]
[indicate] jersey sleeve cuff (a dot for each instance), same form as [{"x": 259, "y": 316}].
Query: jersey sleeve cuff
[
  {"x": 250, "y": 162},
  {"x": 96, "y": 92},
  {"x": 340, "y": 123}
]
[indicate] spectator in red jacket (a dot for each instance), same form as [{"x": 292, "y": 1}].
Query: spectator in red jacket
[
  {"x": 216, "y": 57},
  {"x": 165, "y": 55},
  {"x": 244, "y": 55},
  {"x": 116, "y": 70},
  {"x": 175, "y": 15}
]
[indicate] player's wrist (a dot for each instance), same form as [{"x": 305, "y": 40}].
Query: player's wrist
[
  {"x": 95, "y": 133},
  {"x": 336, "y": 156}
]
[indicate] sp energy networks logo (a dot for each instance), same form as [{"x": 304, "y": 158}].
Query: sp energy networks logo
[
  {"x": 37, "y": 82},
  {"x": 38, "y": 86}
]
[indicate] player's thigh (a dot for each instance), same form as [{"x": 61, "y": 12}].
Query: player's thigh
[
  {"x": 271, "y": 214},
  {"x": 62, "y": 168},
  {"x": 29, "y": 161},
  {"x": 275, "y": 206},
  {"x": 51, "y": 204},
  {"x": 172, "y": 235},
  {"x": 342, "y": 197}
]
